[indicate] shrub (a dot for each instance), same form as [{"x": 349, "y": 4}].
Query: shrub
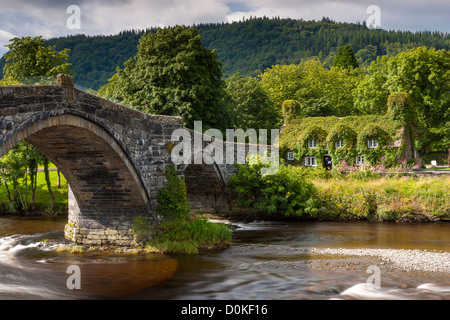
[
  {"x": 172, "y": 200},
  {"x": 285, "y": 193}
]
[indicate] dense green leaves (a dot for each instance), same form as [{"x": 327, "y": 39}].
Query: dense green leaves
[
  {"x": 345, "y": 58},
  {"x": 286, "y": 192},
  {"x": 173, "y": 74},
  {"x": 172, "y": 200},
  {"x": 251, "y": 107},
  {"x": 30, "y": 60}
]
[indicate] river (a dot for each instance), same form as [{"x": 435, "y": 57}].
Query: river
[{"x": 268, "y": 260}]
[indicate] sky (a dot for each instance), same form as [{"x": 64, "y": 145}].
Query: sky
[{"x": 50, "y": 18}]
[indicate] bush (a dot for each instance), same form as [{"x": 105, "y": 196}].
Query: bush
[
  {"x": 178, "y": 232},
  {"x": 172, "y": 200},
  {"x": 285, "y": 193}
]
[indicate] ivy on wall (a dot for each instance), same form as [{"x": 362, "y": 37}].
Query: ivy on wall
[
  {"x": 312, "y": 133},
  {"x": 348, "y": 150},
  {"x": 373, "y": 156}
]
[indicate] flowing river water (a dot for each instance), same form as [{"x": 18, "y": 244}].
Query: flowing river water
[{"x": 268, "y": 260}]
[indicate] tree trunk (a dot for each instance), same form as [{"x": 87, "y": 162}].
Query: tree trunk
[
  {"x": 47, "y": 180},
  {"x": 7, "y": 192},
  {"x": 59, "y": 178}
]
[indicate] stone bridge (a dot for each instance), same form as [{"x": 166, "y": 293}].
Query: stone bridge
[{"x": 113, "y": 157}]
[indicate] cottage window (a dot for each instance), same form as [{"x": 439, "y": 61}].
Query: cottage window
[
  {"x": 340, "y": 143},
  {"x": 310, "y": 161},
  {"x": 359, "y": 160},
  {"x": 372, "y": 143},
  {"x": 312, "y": 144},
  {"x": 290, "y": 155}
]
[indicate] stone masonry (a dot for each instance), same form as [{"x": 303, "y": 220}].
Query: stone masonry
[{"x": 113, "y": 157}]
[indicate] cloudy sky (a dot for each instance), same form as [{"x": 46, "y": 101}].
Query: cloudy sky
[{"x": 50, "y": 18}]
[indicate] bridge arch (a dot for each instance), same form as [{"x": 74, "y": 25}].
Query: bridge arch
[{"x": 105, "y": 188}]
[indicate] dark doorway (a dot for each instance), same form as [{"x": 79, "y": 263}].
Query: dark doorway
[{"x": 327, "y": 163}]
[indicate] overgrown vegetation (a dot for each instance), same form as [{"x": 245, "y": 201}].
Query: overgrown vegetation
[
  {"x": 361, "y": 194},
  {"x": 286, "y": 193},
  {"x": 178, "y": 231},
  {"x": 28, "y": 185}
]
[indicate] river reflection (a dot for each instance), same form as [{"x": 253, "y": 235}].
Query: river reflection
[{"x": 268, "y": 260}]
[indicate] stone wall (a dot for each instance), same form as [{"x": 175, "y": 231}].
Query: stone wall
[{"x": 113, "y": 157}]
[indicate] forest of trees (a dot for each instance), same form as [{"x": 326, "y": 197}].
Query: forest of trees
[
  {"x": 248, "y": 47},
  {"x": 176, "y": 71}
]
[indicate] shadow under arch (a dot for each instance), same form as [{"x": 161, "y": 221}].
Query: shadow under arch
[{"x": 107, "y": 190}]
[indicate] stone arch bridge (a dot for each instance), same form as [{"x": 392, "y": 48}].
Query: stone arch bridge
[{"x": 113, "y": 157}]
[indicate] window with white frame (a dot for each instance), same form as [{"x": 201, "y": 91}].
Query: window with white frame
[
  {"x": 310, "y": 161},
  {"x": 339, "y": 143},
  {"x": 290, "y": 155},
  {"x": 359, "y": 160},
  {"x": 312, "y": 143},
  {"x": 372, "y": 143}
]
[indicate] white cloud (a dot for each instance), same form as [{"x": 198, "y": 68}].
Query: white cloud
[
  {"x": 48, "y": 17},
  {"x": 5, "y": 36}
]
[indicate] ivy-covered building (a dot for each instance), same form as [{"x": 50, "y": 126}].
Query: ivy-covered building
[{"x": 356, "y": 140}]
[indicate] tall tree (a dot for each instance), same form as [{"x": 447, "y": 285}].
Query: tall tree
[
  {"x": 345, "y": 58},
  {"x": 250, "y": 104},
  {"x": 424, "y": 74},
  {"x": 173, "y": 74}
]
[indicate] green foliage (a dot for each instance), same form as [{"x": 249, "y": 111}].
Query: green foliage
[
  {"x": 285, "y": 193},
  {"x": 29, "y": 60},
  {"x": 384, "y": 199},
  {"x": 251, "y": 107},
  {"x": 373, "y": 156},
  {"x": 424, "y": 75},
  {"x": 173, "y": 74},
  {"x": 190, "y": 236},
  {"x": 345, "y": 58},
  {"x": 302, "y": 149},
  {"x": 400, "y": 108},
  {"x": 248, "y": 47},
  {"x": 291, "y": 109},
  {"x": 172, "y": 200},
  {"x": 349, "y": 138},
  {"x": 321, "y": 92},
  {"x": 141, "y": 227}
]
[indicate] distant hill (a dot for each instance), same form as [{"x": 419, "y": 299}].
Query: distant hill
[{"x": 250, "y": 46}]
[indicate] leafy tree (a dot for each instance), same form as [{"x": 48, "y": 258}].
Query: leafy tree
[
  {"x": 172, "y": 200},
  {"x": 422, "y": 73},
  {"x": 321, "y": 92},
  {"x": 173, "y": 74},
  {"x": 345, "y": 58},
  {"x": 251, "y": 106},
  {"x": 30, "y": 60}
]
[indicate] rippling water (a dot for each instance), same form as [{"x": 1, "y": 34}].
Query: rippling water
[{"x": 268, "y": 260}]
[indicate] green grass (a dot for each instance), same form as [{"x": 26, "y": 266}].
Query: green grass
[
  {"x": 42, "y": 197},
  {"x": 441, "y": 169},
  {"x": 190, "y": 236},
  {"x": 385, "y": 199}
]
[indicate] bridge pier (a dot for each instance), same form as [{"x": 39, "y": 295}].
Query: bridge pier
[{"x": 101, "y": 226}]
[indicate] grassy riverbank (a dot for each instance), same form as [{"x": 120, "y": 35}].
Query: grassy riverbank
[
  {"x": 384, "y": 198},
  {"x": 305, "y": 193},
  {"x": 42, "y": 198}
]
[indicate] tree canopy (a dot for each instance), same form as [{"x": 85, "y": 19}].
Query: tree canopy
[
  {"x": 173, "y": 74},
  {"x": 29, "y": 60}
]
